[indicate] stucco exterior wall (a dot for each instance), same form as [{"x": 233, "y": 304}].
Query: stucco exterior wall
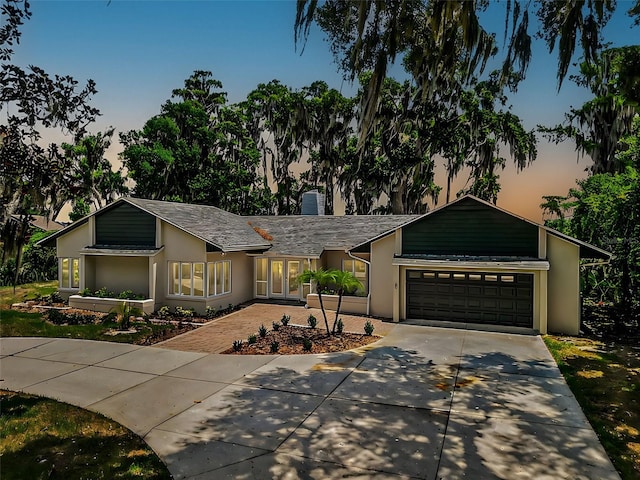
[
  {"x": 563, "y": 299},
  {"x": 122, "y": 273},
  {"x": 180, "y": 246},
  {"x": 381, "y": 277},
  {"x": 334, "y": 258},
  {"x": 70, "y": 244}
]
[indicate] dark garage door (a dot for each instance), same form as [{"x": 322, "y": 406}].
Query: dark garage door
[{"x": 474, "y": 297}]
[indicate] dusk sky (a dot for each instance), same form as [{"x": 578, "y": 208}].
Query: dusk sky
[{"x": 137, "y": 52}]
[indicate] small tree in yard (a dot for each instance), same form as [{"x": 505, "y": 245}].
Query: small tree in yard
[
  {"x": 322, "y": 278},
  {"x": 343, "y": 282}
]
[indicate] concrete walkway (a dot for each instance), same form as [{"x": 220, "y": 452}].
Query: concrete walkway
[{"x": 427, "y": 403}]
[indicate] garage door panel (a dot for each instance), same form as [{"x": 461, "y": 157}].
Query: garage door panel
[{"x": 501, "y": 299}]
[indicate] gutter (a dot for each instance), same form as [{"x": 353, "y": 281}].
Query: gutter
[
  {"x": 595, "y": 264},
  {"x": 368, "y": 278}
]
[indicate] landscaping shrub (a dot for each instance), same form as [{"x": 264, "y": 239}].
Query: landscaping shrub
[
  {"x": 312, "y": 321},
  {"x": 274, "y": 346},
  {"x": 285, "y": 319},
  {"x": 104, "y": 293},
  {"x": 368, "y": 328},
  {"x": 164, "y": 312},
  {"x": 275, "y": 326},
  {"x": 184, "y": 312},
  {"x": 251, "y": 339},
  {"x": 262, "y": 331},
  {"x": 340, "y": 326},
  {"x": 307, "y": 344},
  {"x": 58, "y": 317},
  {"x": 237, "y": 345}
]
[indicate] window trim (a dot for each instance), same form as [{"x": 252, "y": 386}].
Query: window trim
[
  {"x": 212, "y": 282},
  {"x": 192, "y": 268}
]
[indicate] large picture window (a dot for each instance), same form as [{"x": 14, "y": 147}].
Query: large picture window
[
  {"x": 359, "y": 270},
  {"x": 219, "y": 277},
  {"x": 69, "y": 273},
  {"x": 186, "y": 279}
]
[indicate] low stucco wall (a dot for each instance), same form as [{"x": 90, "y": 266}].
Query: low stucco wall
[
  {"x": 355, "y": 305},
  {"x": 106, "y": 305}
]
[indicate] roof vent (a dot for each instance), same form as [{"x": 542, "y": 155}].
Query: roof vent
[{"x": 312, "y": 203}]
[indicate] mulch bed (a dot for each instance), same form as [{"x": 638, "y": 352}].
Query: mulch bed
[{"x": 291, "y": 340}]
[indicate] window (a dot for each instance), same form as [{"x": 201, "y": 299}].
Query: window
[
  {"x": 506, "y": 278},
  {"x": 459, "y": 276},
  {"x": 186, "y": 278},
  {"x": 219, "y": 277},
  {"x": 308, "y": 264},
  {"x": 491, "y": 278},
  {"x": 69, "y": 273},
  {"x": 359, "y": 270},
  {"x": 475, "y": 276},
  {"x": 261, "y": 277}
]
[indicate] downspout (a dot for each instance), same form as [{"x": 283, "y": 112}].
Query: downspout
[{"x": 368, "y": 278}]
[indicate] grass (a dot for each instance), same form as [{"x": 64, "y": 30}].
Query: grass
[
  {"x": 21, "y": 324},
  {"x": 605, "y": 379},
  {"x": 25, "y": 292},
  {"x": 42, "y": 438}
]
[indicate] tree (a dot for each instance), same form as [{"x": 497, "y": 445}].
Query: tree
[
  {"x": 344, "y": 282},
  {"x": 604, "y": 209},
  {"x": 198, "y": 150},
  {"x": 440, "y": 36},
  {"x": 483, "y": 129},
  {"x": 276, "y": 114},
  {"x": 90, "y": 177},
  {"x": 328, "y": 126},
  {"x": 322, "y": 279},
  {"x": 599, "y": 125},
  {"x": 32, "y": 177}
]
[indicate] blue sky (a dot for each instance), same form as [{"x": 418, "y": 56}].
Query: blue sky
[{"x": 137, "y": 52}]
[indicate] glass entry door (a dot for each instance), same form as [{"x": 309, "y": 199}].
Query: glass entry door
[
  {"x": 283, "y": 276},
  {"x": 277, "y": 278},
  {"x": 293, "y": 271}
]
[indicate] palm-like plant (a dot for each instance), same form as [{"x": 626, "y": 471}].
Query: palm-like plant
[
  {"x": 344, "y": 282},
  {"x": 322, "y": 278}
]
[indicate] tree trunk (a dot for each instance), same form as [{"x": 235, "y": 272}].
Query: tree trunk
[
  {"x": 335, "y": 322},
  {"x": 324, "y": 314}
]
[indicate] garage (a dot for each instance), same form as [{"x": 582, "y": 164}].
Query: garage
[{"x": 470, "y": 297}]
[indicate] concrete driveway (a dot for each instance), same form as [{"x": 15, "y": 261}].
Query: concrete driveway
[{"x": 423, "y": 402}]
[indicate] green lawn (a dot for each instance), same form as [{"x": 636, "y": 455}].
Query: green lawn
[
  {"x": 605, "y": 380},
  {"x": 42, "y": 438},
  {"x": 14, "y": 323}
]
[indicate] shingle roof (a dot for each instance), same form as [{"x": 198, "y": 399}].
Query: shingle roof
[
  {"x": 227, "y": 231},
  {"x": 310, "y": 235}
]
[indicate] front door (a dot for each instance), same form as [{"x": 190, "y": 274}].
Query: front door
[{"x": 283, "y": 279}]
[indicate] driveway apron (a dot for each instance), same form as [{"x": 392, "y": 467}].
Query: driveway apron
[{"x": 421, "y": 403}]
